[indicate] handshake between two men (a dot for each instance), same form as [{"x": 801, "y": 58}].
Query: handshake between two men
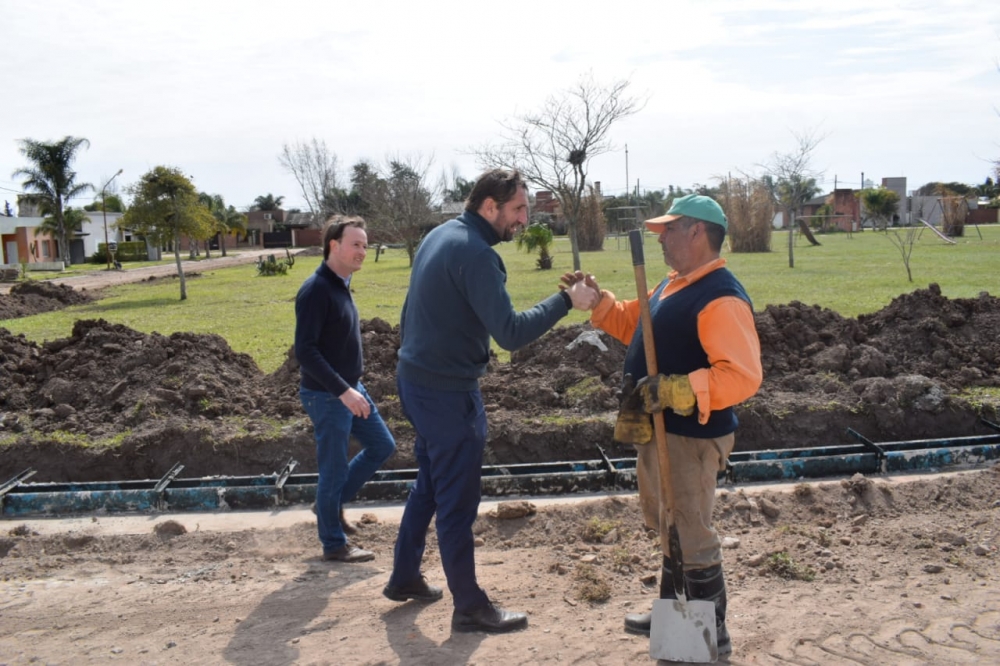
[{"x": 637, "y": 400}]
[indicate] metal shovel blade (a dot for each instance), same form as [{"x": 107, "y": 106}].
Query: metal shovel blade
[{"x": 683, "y": 631}]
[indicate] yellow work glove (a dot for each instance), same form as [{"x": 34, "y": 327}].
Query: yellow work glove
[
  {"x": 633, "y": 425},
  {"x": 667, "y": 392}
]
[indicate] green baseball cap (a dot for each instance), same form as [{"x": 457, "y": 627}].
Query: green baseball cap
[{"x": 693, "y": 205}]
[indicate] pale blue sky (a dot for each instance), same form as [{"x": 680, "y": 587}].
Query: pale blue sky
[{"x": 215, "y": 88}]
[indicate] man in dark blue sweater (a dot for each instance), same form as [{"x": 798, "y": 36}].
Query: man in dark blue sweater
[
  {"x": 328, "y": 348},
  {"x": 456, "y": 302}
]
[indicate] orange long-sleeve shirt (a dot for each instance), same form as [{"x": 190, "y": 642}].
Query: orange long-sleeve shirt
[{"x": 726, "y": 331}]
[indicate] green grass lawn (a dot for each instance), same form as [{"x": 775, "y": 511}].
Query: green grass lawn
[{"x": 256, "y": 315}]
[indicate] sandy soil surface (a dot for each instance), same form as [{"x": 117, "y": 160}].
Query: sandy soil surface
[{"x": 859, "y": 571}]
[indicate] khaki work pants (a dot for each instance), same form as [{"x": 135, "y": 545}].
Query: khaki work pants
[{"x": 694, "y": 464}]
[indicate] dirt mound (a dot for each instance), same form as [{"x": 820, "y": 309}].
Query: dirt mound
[
  {"x": 33, "y": 297},
  {"x": 111, "y": 402},
  {"x": 920, "y": 333}
]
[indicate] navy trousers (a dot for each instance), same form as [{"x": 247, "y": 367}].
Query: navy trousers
[
  {"x": 340, "y": 480},
  {"x": 451, "y": 436}
]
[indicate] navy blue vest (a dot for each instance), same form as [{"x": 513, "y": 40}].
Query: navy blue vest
[{"x": 678, "y": 349}]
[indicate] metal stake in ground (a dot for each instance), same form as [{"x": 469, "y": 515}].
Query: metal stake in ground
[{"x": 680, "y": 629}]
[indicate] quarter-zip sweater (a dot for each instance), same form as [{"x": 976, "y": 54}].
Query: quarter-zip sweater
[
  {"x": 456, "y": 301},
  {"x": 327, "y": 333}
]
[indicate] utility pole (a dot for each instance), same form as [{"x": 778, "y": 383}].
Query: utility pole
[
  {"x": 628, "y": 189},
  {"x": 104, "y": 213}
]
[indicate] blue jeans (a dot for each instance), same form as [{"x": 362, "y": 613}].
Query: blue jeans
[
  {"x": 339, "y": 481},
  {"x": 451, "y": 436}
]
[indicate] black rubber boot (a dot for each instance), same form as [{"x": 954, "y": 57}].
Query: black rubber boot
[
  {"x": 710, "y": 585},
  {"x": 639, "y": 623}
]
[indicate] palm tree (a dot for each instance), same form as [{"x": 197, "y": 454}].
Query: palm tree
[
  {"x": 537, "y": 236},
  {"x": 268, "y": 202},
  {"x": 51, "y": 182},
  {"x": 73, "y": 219},
  {"x": 227, "y": 218}
]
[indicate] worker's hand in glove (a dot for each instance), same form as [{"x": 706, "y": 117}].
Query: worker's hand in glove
[
  {"x": 667, "y": 392},
  {"x": 633, "y": 425}
]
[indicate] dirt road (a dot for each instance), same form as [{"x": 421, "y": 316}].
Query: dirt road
[
  {"x": 858, "y": 571},
  {"x": 104, "y": 278}
]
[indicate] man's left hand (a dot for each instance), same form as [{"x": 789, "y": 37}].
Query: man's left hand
[{"x": 667, "y": 392}]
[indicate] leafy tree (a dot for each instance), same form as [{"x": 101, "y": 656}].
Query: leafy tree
[
  {"x": 268, "y": 202},
  {"x": 398, "y": 200},
  {"x": 944, "y": 189},
  {"x": 50, "y": 180},
  {"x": 456, "y": 188},
  {"x": 552, "y": 147},
  {"x": 655, "y": 201},
  {"x": 538, "y": 237},
  {"x": 112, "y": 202},
  {"x": 7, "y": 210},
  {"x": 881, "y": 204},
  {"x": 165, "y": 206},
  {"x": 367, "y": 188}
]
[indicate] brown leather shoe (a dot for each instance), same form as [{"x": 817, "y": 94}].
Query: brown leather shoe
[
  {"x": 348, "y": 553},
  {"x": 349, "y": 528}
]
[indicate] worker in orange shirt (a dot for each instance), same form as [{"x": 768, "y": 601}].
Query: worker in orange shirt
[{"x": 708, "y": 354}]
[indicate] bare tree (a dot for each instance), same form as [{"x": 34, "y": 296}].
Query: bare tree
[
  {"x": 315, "y": 169},
  {"x": 793, "y": 182},
  {"x": 552, "y": 147},
  {"x": 398, "y": 200}
]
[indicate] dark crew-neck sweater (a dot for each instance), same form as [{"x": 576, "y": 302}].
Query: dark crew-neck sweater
[{"x": 327, "y": 333}]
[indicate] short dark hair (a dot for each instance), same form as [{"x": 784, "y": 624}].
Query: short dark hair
[
  {"x": 498, "y": 184},
  {"x": 716, "y": 233},
  {"x": 335, "y": 230}
]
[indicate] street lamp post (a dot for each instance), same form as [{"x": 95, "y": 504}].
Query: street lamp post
[{"x": 104, "y": 213}]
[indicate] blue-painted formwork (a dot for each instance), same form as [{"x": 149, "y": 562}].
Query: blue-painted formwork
[{"x": 18, "y": 498}]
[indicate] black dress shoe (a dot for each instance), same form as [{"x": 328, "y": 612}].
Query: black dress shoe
[
  {"x": 489, "y": 618},
  {"x": 348, "y": 553},
  {"x": 418, "y": 590},
  {"x": 638, "y": 623}
]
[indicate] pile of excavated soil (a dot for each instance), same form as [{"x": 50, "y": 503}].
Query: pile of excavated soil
[
  {"x": 109, "y": 402},
  {"x": 33, "y": 297}
]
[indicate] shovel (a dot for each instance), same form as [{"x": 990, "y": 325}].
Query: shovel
[{"x": 681, "y": 629}]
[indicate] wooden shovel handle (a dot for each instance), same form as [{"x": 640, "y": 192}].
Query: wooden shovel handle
[{"x": 669, "y": 542}]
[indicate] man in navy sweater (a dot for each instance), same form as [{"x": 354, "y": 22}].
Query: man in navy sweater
[
  {"x": 328, "y": 348},
  {"x": 456, "y": 302}
]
